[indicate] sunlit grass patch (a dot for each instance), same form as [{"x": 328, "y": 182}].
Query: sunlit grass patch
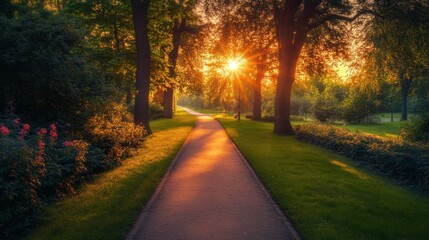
[
  {"x": 107, "y": 207},
  {"x": 326, "y": 195},
  {"x": 383, "y": 129}
]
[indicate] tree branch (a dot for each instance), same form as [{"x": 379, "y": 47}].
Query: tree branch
[{"x": 332, "y": 17}]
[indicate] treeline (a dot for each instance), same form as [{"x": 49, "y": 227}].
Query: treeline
[{"x": 383, "y": 44}]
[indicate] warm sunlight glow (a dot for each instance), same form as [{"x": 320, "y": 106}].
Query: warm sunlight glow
[{"x": 233, "y": 65}]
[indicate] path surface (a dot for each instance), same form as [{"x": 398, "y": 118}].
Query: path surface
[{"x": 211, "y": 193}]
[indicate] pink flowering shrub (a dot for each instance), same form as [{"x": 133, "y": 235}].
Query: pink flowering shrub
[
  {"x": 39, "y": 163},
  {"x": 22, "y": 167},
  {"x": 33, "y": 165}
]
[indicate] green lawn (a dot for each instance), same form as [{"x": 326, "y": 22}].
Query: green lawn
[
  {"x": 387, "y": 117},
  {"x": 383, "y": 129},
  {"x": 106, "y": 208},
  {"x": 325, "y": 195}
]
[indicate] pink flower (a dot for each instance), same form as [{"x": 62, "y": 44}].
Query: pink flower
[
  {"x": 26, "y": 127},
  {"x": 16, "y": 121},
  {"x": 43, "y": 131},
  {"x": 4, "y": 130},
  {"x": 53, "y": 135},
  {"x": 24, "y": 131},
  {"x": 68, "y": 143},
  {"x": 41, "y": 144},
  {"x": 53, "y": 132}
]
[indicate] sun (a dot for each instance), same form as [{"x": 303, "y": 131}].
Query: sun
[{"x": 233, "y": 65}]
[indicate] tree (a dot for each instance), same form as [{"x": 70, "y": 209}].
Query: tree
[
  {"x": 254, "y": 25},
  {"x": 184, "y": 15},
  {"x": 44, "y": 70},
  {"x": 295, "y": 20},
  {"x": 110, "y": 39},
  {"x": 140, "y": 19},
  {"x": 399, "y": 40}
]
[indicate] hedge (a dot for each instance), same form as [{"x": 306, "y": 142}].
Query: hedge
[{"x": 407, "y": 163}]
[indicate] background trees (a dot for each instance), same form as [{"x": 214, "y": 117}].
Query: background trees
[{"x": 399, "y": 44}]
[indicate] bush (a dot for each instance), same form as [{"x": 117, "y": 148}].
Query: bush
[
  {"x": 20, "y": 176},
  {"x": 406, "y": 162},
  {"x": 155, "y": 111},
  {"x": 34, "y": 165},
  {"x": 267, "y": 118},
  {"x": 299, "y": 105},
  {"x": 417, "y": 129},
  {"x": 360, "y": 107},
  {"x": 42, "y": 52},
  {"x": 297, "y": 118},
  {"x": 114, "y": 131},
  {"x": 326, "y": 107}
]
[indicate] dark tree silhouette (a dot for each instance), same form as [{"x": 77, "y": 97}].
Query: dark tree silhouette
[{"x": 140, "y": 20}]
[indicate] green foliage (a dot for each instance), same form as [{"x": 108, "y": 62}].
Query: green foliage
[
  {"x": 20, "y": 179},
  {"x": 407, "y": 163},
  {"x": 38, "y": 164},
  {"x": 360, "y": 107},
  {"x": 155, "y": 111},
  {"x": 416, "y": 129},
  {"x": 112, "y": 129},
  {"x": 299, "y": 105},
  {"x": 109, "y": 39},
  {"x": 107, "y": 207},
  {"x": 34, "y": 165},
  {"x": 326, "y": 106},
  {"x": 41, "y": 69}
]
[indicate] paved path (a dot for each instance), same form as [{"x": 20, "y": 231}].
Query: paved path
[{"x": 211, "y": 193}]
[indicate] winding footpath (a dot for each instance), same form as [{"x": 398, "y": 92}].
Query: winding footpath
[{"x": 210, "y": 192}]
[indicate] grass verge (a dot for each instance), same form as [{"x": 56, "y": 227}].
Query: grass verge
[
  {"x": 107, "y": 207},
  {"x": 325, "y": 195},
  {"x": 383, "y": 129}
]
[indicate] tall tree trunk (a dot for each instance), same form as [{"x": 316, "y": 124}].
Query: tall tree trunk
[
  {"x": 178, "y": 29},
  {"x": 260, "y": 72},
  {"x": 140, "y": 11},
  {"x": 288, "y": 58},
  {"x": 405, "y": 89},
  {"x": 168, "y": 102},
  {"x": 291, "y": 36},
  {"x": 282, "y": 123}
]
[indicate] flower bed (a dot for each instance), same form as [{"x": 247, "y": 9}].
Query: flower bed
[{"x": 37, "y": 163}]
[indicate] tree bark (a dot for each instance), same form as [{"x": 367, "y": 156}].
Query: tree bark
[
  {"x": 168, "y": 102},
  {"x": 291, "y": 34},
  {"x": 405, "y": 89},
  {"x": 140, "y": 11},
  {"x": 285, "y": 81}
]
